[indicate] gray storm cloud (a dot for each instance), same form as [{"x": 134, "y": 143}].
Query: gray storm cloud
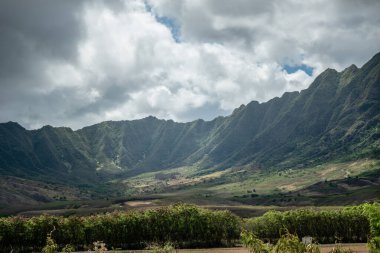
[{"x": 75, "y": 63}]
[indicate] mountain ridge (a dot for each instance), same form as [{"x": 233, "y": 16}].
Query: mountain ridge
[
  {"x": 337, "y": 117},
  {"x": 352, "y": 67}
]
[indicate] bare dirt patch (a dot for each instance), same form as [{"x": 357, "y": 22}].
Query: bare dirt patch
[
  {"x": 138, "y": 203},
  {"x": 357, "y": 247}
]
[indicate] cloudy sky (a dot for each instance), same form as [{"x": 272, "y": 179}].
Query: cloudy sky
[{"x": 76, "y": 63}]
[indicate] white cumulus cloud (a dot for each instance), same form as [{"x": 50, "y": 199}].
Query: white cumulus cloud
[{"x": 120, "y": 60}]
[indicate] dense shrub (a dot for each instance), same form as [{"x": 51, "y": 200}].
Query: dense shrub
[
  {"x": 373, "y": 213},
  {"x": 182, "y": 225},
  {"x": 188, "y": 226},
  {"x": 347, "y": 225}
]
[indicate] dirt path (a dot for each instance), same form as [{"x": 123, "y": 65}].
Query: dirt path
[{"x": 357, "y": 247}]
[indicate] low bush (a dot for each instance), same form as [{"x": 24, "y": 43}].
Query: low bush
[{"x": 287, "y": 243}]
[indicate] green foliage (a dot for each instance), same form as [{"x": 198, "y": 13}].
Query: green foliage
[
  {"x": 312, "y": 248},
  {"x": 183, "y": 225},
  {"x": 68, "y": 248},
  {"x": 51, "y": 246},
  {"x": 288, "y": 243},
  {"x": 190, "y": 226},
  {"x": 374, "y": 244},
  {"x": 373, "y": 212},
  {"x": 348, "y": 225},
  {"x": 352, "y": 224},
  {"x": 254, "y": 244}
]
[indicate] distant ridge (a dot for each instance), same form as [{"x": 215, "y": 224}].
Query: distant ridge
[{"x": 337, "y": 117}]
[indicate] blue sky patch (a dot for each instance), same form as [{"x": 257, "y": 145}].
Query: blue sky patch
[
  {"x": 170, "y": 23},
  {"x": 290, "y": 69}
]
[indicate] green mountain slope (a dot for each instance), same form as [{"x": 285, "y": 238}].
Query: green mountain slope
[{"x": 337, "y": 117}]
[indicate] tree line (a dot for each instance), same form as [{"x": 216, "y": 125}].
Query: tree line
[{"x": 188, "y": 226}]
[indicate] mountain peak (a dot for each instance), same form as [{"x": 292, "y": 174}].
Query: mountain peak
[
  {"x": 375, "y": 61},
  {"x": 12, "y": 124},
  {"x": 326, "y": 77},
  {"x": 327, "y": 74},
  {"x": 351, "y": 68},
  {"x": 348, "y": 74},
  {"x": 329, "y": 71}
]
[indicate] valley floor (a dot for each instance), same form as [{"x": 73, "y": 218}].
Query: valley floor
[{"x": 245, "y": 191}]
